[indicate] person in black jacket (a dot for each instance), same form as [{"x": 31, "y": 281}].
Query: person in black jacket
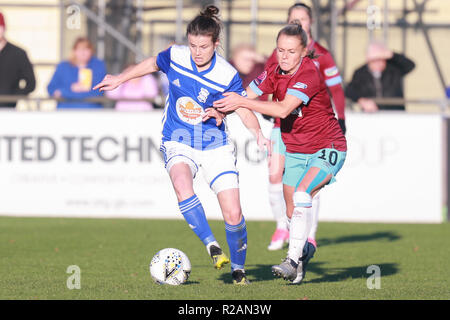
[
  {"x": 381, "y": 77},
  {"x": 16, "y": 71}
]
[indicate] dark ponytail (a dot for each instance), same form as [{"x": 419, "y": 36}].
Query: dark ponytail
[
  {"x": 296, "y": 30},
  {"x": 210, "y": 12},
  {"x": 207, "y": 23}
]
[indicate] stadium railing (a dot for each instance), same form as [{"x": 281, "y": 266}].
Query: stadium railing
[{"x": 442, "y": 103}]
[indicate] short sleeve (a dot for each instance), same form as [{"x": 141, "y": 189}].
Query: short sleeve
[
  {"x": 262, "y": 84},
  {"x": 330, "y": 71},
  {"x": 236, "y": 86},
  {"x": 163, "y": 60},
  {"x": 305, "y": 86}
]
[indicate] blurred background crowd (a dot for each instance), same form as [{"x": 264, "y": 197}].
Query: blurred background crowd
[{"x": 391, "y": 54}]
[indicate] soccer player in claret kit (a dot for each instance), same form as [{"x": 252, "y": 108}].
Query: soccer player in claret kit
[
  {"x": 192, "y": 138},
  {"x": 315, "y": 144},
  {"x": 301, "y": 14}
]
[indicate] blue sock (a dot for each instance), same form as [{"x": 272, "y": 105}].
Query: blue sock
[
  {"x": 194, "y": 215},
  {"x": 237, "y": 243}
]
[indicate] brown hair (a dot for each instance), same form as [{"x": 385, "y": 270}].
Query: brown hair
[
  {"x": 207, "y": 23},
  {"x": 296, "y": 30},
  {"x": 300, "y": 5},
  {"x": 78, "y": 41}
]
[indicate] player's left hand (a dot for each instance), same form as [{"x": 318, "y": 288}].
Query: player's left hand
[
  {"x": 213, "y": 113},
  {"x": 231, "y": 102}
]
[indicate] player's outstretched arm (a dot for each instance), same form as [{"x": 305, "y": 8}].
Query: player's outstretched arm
[
  {"x": 250, "y": 121},
  {"x": 110, "y": 82},
  {"x": 278, "y": 109}
]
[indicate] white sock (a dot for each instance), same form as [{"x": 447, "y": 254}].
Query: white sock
[
  {"x": 276, "y": 199},
  {"x": 314, "y": 216},
  {"x": 300, "y": 225}
]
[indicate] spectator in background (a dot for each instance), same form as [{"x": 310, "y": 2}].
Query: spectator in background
[
  {"x": 381, "y": 77},
  {"x": 145, "y": 87},
  {"x": 247, "y": 62},
  {"x": 16, "y": 71},
  {"x": 447, "y": 92},
  {"x": 73, "y": 79}
]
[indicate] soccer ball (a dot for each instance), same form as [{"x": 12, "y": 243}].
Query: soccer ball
[{"x": 170, "y": 266}]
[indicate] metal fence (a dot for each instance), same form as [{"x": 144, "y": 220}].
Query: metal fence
[
  {"x": 116, "y": 39},
  {"x": 442, "y": 105}
]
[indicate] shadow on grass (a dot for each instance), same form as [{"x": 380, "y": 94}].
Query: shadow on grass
[
  {"x": 263, "y": 272},
  {"x": 255, "y": 273},
  {"x": 339, "y": 274},
  {"x": 259, "y": 272},
  {"x": 384, "y": 235}
]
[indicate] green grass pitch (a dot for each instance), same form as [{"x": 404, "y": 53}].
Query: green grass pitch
[{"x": 114, "y": 254}]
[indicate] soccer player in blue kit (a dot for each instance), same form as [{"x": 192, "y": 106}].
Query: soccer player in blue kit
[{"x": 194, "y": 134}]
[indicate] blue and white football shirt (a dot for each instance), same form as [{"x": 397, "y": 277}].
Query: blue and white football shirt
[{"x": 190, "y": 93}]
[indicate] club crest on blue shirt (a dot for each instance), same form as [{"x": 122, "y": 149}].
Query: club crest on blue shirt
[
  {"x": 203, "y": 95},
  {"x": 189, "y": 111}
]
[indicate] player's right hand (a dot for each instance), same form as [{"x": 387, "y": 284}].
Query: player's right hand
[
  {"x": 213, "y": 113},
  {"x": 108, "y": 83}
]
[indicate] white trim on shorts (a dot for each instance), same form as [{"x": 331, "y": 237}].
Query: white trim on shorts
[{"x": 218, "y": 165}]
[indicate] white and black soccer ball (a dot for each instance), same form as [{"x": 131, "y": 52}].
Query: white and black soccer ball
[{"x": 170, "y": 266}]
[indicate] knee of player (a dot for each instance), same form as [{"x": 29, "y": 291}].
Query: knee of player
[
  {"x": 302, "y": 199},
  {"x": 233, "y": 216},
  {"x": 275, "y": 171},
  {"x": 302, "y": 188},
  {"x": 182, "y": 185},
  {"x": 275, "y": 177}
]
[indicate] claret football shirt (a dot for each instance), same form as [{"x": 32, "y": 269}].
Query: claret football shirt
[{"x": 312, "y": 126}]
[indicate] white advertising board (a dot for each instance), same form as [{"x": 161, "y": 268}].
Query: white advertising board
[
  {"x": 108, "y": 164},
  {"x": 394, "y": 171}
]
